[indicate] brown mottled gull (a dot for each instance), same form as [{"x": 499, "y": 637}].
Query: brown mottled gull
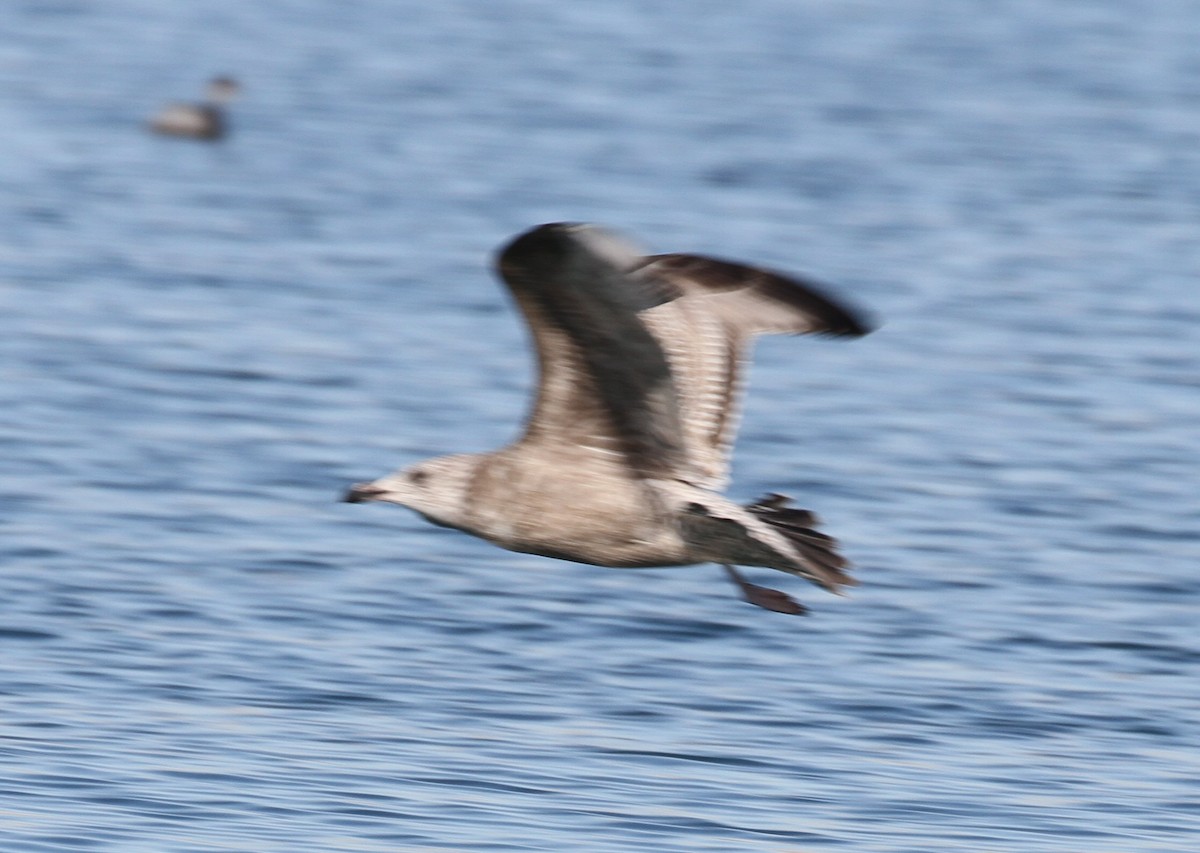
[{"x": 629, "y": 438}]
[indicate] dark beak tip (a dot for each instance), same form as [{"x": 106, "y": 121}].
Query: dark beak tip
[{"x": 361, "y": 493}]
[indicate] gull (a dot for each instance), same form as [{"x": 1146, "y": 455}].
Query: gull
[
  {"x": 199, "y": 121},
  {"x": 623, "y": 456}
]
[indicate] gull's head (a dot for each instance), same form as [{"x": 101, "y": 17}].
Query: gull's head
[
  {"x": 436, "y": 488},
  {"x": 222, "y": 90},
  {"x": 559, "y": 247}
]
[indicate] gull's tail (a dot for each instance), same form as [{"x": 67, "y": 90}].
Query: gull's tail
[{"x": 796, "y": 525}]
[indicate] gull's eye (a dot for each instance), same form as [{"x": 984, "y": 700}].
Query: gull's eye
[{"x": 418, "y": 477}]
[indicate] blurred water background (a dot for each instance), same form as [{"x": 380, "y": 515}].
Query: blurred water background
[{"x": 200, "y": 650}]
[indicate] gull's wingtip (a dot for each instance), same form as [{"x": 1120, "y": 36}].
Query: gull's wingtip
[{"x": 851, "y": 323}]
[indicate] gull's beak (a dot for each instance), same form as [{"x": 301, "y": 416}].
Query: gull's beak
[{"x": 363, "y": 492}]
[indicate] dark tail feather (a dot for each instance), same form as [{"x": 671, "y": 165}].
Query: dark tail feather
[{"x": 797, "y": 525}]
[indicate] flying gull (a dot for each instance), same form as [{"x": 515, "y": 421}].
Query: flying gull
[{"x": 627, "y": 446}]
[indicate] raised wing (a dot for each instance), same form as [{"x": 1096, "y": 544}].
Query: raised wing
[
  {"x": 715, "y": 309},
  {"x": 604, "y": 380},
  {"x": 643, "y": 355}
]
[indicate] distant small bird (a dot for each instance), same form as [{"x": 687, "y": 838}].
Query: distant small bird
[
  {"x": 199, "y": 121},
  {"x": 635, "y": 412}
]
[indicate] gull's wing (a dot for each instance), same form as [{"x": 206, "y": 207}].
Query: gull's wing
[
  {"x": 643, "y": 355},
  {"x": 604, "y": 381},
  {"x": 713, "y": 311}
]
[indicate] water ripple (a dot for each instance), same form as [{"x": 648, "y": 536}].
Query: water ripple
[{"x": 202, "y": 650}]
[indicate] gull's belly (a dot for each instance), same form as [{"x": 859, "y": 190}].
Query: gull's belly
[{"x": 582, "y": 508}]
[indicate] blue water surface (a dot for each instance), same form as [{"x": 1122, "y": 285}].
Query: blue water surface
[{"x": 201, "y": 345}]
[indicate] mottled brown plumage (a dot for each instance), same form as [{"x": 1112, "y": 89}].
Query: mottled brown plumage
[{"x": 640, "y": 359}]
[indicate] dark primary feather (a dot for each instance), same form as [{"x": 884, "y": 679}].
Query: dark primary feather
[
  {"x": 583, "y": 313},
  {"x": 774, "y": 292}
]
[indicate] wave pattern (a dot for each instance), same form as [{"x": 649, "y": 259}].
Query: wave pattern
[{"x": 200, "y": 650}]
